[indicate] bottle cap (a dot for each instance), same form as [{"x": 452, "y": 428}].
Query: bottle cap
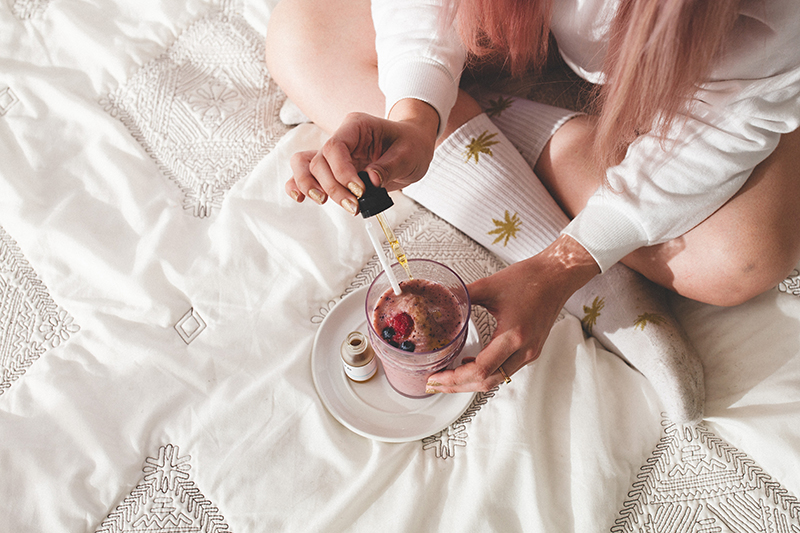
[{"x": 374, "y": 200}]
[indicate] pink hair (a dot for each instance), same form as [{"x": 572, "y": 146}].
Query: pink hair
[
  {"x": 659, "y": 52},
  {"x": 514, "y": 32}
]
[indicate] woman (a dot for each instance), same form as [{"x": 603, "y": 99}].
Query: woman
[{"x": 689, "y": 175}]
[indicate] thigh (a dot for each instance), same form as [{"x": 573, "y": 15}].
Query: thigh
[
  {"x": 566, "y": 167},
  {"x": 322, "y": 54},
  {"x": 745, "y": 248}
]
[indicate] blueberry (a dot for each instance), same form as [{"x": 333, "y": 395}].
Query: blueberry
[
  {"x": 387, "y": 333},
  {"x": 407, "y": 346},
  {"x": 393, "y": 343}
]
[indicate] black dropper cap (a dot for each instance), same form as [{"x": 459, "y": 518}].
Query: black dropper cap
[{"x": 374, "y": 200}]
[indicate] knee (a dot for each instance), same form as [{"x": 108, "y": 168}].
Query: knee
[
  {"x": 723, "y": 269},
  {"x": 741, "y": 273}
]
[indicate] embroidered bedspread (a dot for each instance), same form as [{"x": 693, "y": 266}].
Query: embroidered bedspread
[{"x": 160, "y": 296}]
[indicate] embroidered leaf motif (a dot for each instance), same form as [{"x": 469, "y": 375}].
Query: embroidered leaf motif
[
  {"x": 648, "y": 318},
  {"x": 506, "y": 228},
  {"x": 791, "y": 284},
  {"x": 480, "y": 145},
  {"x": 498, "y": 106},
  {"x": 166, "y": 499},
  {"x": 592, "y": 314}
]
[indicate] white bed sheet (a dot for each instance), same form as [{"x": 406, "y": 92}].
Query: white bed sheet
[{"x": 142, "y": 167}]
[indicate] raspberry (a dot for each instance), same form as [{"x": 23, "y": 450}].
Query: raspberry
[{"x": 403, "y": 325}]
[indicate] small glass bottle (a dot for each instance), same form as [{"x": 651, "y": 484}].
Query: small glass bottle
[{"x": 358, "y": 358}]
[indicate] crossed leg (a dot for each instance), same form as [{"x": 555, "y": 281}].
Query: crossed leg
[
  {"x": 322, "y": 54},
  {"x": 745, "y": 248}
]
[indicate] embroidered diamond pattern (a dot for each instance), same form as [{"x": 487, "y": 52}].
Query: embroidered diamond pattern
[
  {"x": 207, "y": 110},
  {"x": 30, "y": 321},
  {"x": 190, "y": 326},
  {"x": 695, "y": 481},
  {"x": 7, "y": 100},
  {"x": 165, "y": 500}
]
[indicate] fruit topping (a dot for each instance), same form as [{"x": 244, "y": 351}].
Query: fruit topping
[
  {"x": 403, "y": 325},
  {"x": 387, "y": 333},
  {"x": 407, "y": 346}
]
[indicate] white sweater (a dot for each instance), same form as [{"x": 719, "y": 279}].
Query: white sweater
[{"x": 657, "y": 194}]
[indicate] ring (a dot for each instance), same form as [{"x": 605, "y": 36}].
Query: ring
[{"x": 503, "y": 373}]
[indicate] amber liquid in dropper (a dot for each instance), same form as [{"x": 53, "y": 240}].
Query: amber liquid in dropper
[{"x": 394, "y": 243}]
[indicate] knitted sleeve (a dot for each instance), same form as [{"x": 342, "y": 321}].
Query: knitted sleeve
[
  {"x": 663, "y": 188},
  {"x": 418, "y": 57}
]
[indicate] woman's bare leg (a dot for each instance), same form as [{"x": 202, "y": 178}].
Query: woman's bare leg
[
  {"x": 747, "y": 247},
  {"x": 323, "y": 56}
]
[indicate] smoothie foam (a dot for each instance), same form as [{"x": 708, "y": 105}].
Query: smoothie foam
[{"x": 433, "y": 309}]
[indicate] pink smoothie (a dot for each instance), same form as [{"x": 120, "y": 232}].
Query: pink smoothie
[{"x": 434, "y": 310}]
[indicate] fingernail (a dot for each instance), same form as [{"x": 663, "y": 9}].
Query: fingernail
[
  {"x": 317, "y": 196},
  {"x": 433, "y": 384},
  {"x": 295, "y": 195},
  {"x": 431, "y": 391},
  {"x": 380, "y": 176},
  {"x": 356, "y": 188},
  {"x": 350, "y": 205}
]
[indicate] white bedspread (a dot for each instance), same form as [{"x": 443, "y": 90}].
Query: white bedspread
[{"x": 160, "y": 294}]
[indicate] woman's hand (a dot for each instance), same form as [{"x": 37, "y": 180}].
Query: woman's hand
[
  {"x": 525, "y": 299},
  {"x": 395, "y": 152}
]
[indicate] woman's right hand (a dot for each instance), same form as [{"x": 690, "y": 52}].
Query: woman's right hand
[
  {"x": 395, "y": 152},
  {"x": 525, "y": 299}
]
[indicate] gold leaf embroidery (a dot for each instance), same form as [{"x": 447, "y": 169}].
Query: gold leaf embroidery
[
  {"x": 480, "y": 145},
  {"x": 496, "y": 107},
  {"x": 592, "y": 314},
  {"x": 506, "y": 228},
  {"x": 648, "y": 318}
]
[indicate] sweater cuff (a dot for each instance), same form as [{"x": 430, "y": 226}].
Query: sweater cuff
[
  {"x": 427, "y": 81},
  {"x": 606, "y": 233}
]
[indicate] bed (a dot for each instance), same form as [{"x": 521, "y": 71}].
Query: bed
[{"x": 165, "y": 310}]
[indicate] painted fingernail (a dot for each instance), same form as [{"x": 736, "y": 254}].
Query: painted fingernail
[
  {"x": 356, "y": 188},
  {"x": 350, "y": 205},
  {"x": 316, "y": 196},
  {"x": 295, "y": 195},
  {"x": 433, "y": 384},
  {"x": 431, "y": 391}
]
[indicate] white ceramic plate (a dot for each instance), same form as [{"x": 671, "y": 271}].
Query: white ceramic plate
[{"x": 374, "y": 409}]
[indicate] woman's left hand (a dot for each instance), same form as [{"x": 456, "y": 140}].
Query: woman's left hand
[{"x": 394, "y": 152}]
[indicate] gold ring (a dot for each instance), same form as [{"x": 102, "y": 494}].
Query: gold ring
[{"x": 503, "y": 373}]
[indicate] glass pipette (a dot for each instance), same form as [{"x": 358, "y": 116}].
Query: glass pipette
[
  {"x": 373, "y": 203},
  {"x": 394, "y": 243}
]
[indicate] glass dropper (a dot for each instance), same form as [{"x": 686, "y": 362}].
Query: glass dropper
[
  {"x": 394, "y": 243},
  {"x": 373, "y": 203}
]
